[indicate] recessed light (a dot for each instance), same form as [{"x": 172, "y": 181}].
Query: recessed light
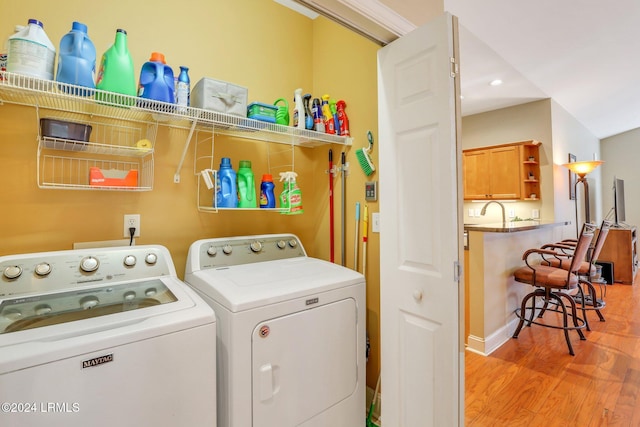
[{"x": 496, "y": 82}]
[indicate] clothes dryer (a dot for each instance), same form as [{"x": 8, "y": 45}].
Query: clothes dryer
[{"x": 291, "y": 332}]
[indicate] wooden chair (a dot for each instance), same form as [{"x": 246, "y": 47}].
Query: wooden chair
[
  {"x": 554, "y": 286},
  {"x": 590, "y": 301}
]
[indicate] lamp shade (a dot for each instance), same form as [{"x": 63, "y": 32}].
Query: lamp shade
[{"x": 583, "y": 168}]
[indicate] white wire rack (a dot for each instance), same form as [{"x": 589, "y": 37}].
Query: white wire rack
[{"x": 120, "y": 121}]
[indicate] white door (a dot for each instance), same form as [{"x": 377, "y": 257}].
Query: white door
[{"x": 420, "y": 247}]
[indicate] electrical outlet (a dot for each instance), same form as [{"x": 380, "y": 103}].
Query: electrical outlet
[
  {"x": 471, "y": 215},
  {"x": 535, "y": 214},
  {"x": 512, "y": 213},
  {"x": 477, "y": 211},
  {"x": 131, "y": 220},
  {"x": 375, "y": 220}
]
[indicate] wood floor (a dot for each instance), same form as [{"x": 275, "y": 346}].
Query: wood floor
[{"x": 533, "y": 381}]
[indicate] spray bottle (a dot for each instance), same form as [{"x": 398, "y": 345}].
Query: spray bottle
[
  {"x": 291, "y": 196},
  {"x": 308, "y": 115},
  {"x": 342, "y": 118},
  {"x": 327, "y": 116},
  {"x": 318, "y": 123},
  {"x": 298, "y": 111},
  {"x": 334, "y": 115}
]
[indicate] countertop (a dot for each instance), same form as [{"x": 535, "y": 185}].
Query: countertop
[{"x": 513, "y": 226}]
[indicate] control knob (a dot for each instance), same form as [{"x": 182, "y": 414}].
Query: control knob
[
  {"x": 89, "y": 264},
  {"x": 12, "y": 272},
  {"x": 43, "y": 309},
  {"x": 43, "y": 269},
  {"x": 256, "y": 246},
  {"x": 293, "y": 243},
  {"x": 151, "y": 259},
  {"x": 227, "y": 249},
  {"x": 212, "y": 251},
  {"x": 281, "y": 244},
  {"x": 129, "y": 260},
  {"x": 89, "y": 302}
]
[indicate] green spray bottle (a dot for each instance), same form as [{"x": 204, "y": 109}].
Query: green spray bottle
[{"x": 291, "y": 196}]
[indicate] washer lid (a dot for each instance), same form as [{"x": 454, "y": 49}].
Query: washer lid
[{"x": 243, "y": 287}]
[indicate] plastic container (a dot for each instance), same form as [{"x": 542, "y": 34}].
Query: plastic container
[
  {"x": 308, "y": 115},
  {"x": 226, "y": 190},
  {"x": 246, "y": 186},
  {"x": 262, "y": 112},
  {"x": 62, "y": 129},
  {"x": 156, "y": 80},
  {"x": 343, "y": 120},
  {"x": 116, "y": 73},
  {"x": 318, "y": 120},
  {"x": 31, "y": 53},
  {"x": 77, "y": 58},
  {"x": 282, "y": 112},
  {"x": 5, "y": 51},
  {"x": 327, "y": 117},
  {"x": 291, "y": 196},
  {"x": 334, "y": 114},
  {"x": 183, "y": 89},
  {"x": 298, "y": 110},
  {"x": 267, "y": 196}
]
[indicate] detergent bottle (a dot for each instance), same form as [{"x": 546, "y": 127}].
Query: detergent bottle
[
  {"x": 334, "y": 115},
  {"x": 246, "y": 186},
  {"x": 327, "y": 117},
  {"x": 156, "y": 80},
  {"x": 291, "y": 196},
  {"x": 226, "y": 190},
  {"x": 116, "y": 73},
  {"x": 267, "y": 197},
  {"x": 31, "y": 53},
  {"x": 5, "y": 52},
  {"x": 77, "y": 59},
  {"x": 298, "y": 111}
]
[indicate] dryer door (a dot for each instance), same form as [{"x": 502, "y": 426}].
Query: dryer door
[{"x": 304, "y": 363}]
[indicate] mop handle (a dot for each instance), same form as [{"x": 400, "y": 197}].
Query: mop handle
[
  {"x": 355, "y": 243},
  {"x": 365, "y": 227},
  {"x": 331, "y": 231}
]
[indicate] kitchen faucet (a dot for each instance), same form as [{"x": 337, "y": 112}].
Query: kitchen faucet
[{"x": 484, "y": 210}]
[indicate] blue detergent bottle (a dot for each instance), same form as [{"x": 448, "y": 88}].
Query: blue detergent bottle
[
  {"x": 226, "y": 190},
  {"x": 156, "y": 80},
  {"x": 77, "y": 59},
  {"x": 267, "y": 196}
]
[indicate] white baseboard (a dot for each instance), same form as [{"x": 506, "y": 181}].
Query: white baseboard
[{"x": 485, "y": 346}]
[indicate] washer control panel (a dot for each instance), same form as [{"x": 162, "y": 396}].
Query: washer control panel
[
  {"x": 228, "y": 251},
  {"x": 51, "y": 271}
]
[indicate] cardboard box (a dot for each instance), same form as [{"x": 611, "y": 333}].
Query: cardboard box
[
  {"x": 113, "y": 177},
  {"x": 220, "y": 96}
]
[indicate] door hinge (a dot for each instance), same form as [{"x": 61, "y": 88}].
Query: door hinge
[
  {"x": 454, "y": 67},
  {"x": 457, "y": 271}
]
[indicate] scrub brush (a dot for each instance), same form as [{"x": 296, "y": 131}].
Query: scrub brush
[{"x": 362, "y": 155}]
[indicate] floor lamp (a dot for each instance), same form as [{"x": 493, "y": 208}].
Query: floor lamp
[{"x": 582, "y": 169}]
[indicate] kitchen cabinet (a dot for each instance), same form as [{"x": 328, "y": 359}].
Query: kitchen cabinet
[
  {"x": 119, "y": 123},
  {"x": 620, "y": 248},
  {"x": 504, "y": 172}
]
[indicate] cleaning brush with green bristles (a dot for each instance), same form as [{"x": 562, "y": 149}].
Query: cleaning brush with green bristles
[{"x": 362, "y": 155}]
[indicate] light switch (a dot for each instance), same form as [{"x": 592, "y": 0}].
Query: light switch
[{"x": 375, "y": 222}]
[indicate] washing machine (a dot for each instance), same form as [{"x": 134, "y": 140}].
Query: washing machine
[
  {"x": 291, "y": 332},
  {"x": 103, "y": 337}
]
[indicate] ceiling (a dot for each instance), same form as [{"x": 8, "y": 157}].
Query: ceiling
[{"x": 580, "y": 53}]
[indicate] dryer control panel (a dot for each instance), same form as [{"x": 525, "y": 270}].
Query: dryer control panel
[{"x": 229, "y": 251}]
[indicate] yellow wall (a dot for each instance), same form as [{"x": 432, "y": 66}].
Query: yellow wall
[{"x": 254, "y": 43}]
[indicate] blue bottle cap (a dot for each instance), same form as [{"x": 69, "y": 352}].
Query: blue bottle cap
[
  {"x": 79, "y": 26},
  {"x": 225, "y": 162},
  {"x": 36, "y": 22}
]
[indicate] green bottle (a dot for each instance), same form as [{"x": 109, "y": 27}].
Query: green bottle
[
  {"x": 246, "y": 186},
  {"x": 116, "y": 73},
  {"x": 291, "y": 196}
]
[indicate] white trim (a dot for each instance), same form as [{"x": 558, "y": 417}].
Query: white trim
[
  {"x": 298, "y": 8},
  {"x": 487, "y": 346},
  {"x": 381, "y": 15}
]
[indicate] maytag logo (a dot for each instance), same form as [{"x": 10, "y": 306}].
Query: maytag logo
[
  {"x": 312, "y": 301},
  {"x": 100, "y": 360}
]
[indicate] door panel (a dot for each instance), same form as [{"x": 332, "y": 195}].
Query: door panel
[
  {"x": 304, "y": 363},
  {"x": 421, "y": 240}
]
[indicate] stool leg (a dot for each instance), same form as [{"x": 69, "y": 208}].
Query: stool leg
[
  {"x": 565, "y": 321},
  {"x": 523, "y": 313},
  {"x": 582, "y": 305}
]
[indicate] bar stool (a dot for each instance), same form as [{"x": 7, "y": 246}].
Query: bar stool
[
  {"x": 553, "y": 286},
  {"x": 590, "y": 301}
]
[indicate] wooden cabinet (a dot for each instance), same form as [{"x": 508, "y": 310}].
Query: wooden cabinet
[
  {"x": 506, "y": 172},
  {"x": 620, "y": 248}
]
